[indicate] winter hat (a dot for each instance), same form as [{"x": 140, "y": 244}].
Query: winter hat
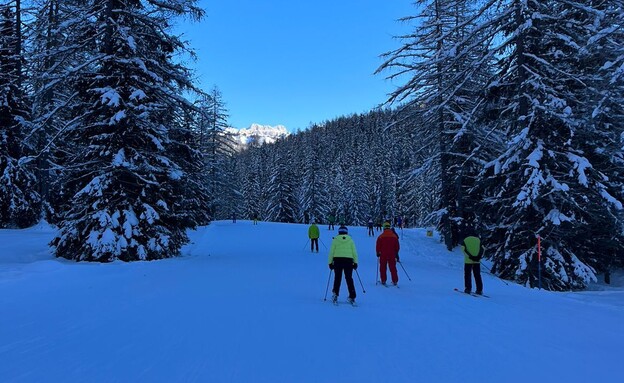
[
  {"x": 386, "y": 225},
  {"x": 343, "y": 230}
]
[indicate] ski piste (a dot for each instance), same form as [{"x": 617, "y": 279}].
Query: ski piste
[{"x": 472, "y": 294}]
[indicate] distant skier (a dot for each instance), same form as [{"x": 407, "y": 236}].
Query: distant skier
[
  {"x": 387, "y": 249},
  {"x": 371, "y": 230},
  {"x": 331, "y": 220},
  {"x": 233, "y": 217},
  {"x": 395, "y": 233},
  {"x": 314, "y": 234},
  {"x": 378, "y": 224},
  {"x": 473, "y": 252},
  {"x": 343, "y": 257},
  {"x": 255, "y": 219}
]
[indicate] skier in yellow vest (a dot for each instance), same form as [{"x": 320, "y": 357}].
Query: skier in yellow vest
[
  {"x": 314, "y": 234},
  {"x": 473, "y": 252},
  {"x": 343, "y": 257}
]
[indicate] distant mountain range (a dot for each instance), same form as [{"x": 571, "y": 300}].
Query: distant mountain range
[{"x": 257, "y": 135}]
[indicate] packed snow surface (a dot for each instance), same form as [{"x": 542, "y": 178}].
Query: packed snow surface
[{"x": 245, "y": 303}]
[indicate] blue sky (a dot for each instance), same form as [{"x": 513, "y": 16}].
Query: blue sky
[{"x": 295, "y": 62}]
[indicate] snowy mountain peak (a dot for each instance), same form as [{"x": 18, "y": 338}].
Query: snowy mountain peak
[{"x": 258, "y": 134}]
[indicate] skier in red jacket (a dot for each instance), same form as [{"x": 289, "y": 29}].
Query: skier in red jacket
[{"x": 388, "y": 253}]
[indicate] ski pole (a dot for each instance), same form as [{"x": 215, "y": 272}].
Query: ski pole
[
  {"x": 358, "y": 274},
  {"x": 323, "y": 243},
  {"x": 306, "y": 244},
  {"x": 327, "y": 288},
  {"x": 408, "y": 277},
  {"x": 377, "y": 273},
  {"x": 491, "y": 273}
]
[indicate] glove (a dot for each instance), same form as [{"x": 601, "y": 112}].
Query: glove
[
  {"x": 355, "y": 266},
  {"x": 378, "y": 255},
  {"x": 331, "y": 266}
]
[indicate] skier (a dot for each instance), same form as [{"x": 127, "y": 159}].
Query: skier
[
  {"x": 371, "y": 231},
  {"x": 255, "y": 220},
  {"x": 314, "y": 234},
  {"x": 332, "y": 220},
  {"x": 387, "y": 249},
  {"x": 394, "y": 232},
  {"x": 473, "y": 252},
  {"x": 378, "y": 224},
  {"x": 233, "y": 217},
  {"x": 343, "y": 257}
]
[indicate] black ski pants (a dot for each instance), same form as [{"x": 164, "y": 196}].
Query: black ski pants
[
  {"x": 313, "y": 243},
  {"x": 472, "y": 268},
  {"x": 346, "y": 265}
]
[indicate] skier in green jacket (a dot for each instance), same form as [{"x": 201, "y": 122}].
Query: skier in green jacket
[
  {"x": 343, "y": 257},
  {"x": 314, "y": 234},
  {"x": 473, "y": 252},
  {"x": 331, "y": 220}
]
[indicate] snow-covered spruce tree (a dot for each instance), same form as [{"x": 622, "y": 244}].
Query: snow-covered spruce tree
[
  {"x": 247, "y": 170},
  {"x": 19, "y": 200},
  {"x": 605, "y": 90},
  {"x": 280, "y": 205},
  {"x": 417, "y": 185},
  {"x": 59, "y": 47},
  {"x": 545, "y": 181},
  {"x": 445, "y": 76},
  {"x": 131, "y": 164},
  {"x": 232, "y": 197},
  {"x": 217, "y": 146},
  {"x": 312, "y": 194},
  {"x": 193, "y": 205}
]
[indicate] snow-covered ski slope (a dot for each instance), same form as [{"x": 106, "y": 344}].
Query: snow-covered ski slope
[{"x": 245, "y": 304}]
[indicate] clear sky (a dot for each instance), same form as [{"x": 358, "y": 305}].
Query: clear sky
[{"x": 295, "y": 62}]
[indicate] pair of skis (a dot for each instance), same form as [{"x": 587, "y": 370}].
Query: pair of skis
[
  {"x": 472, "y": 294},
  {"x": 388, "y": 285},
  {"x": 336, "y": 303}
]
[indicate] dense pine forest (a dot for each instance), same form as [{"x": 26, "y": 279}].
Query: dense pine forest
[{"x": 508, "y": 122}]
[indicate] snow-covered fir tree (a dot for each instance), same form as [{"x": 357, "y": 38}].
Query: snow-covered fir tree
[
  {"x": 313, "y": 195},
  {"x": 549, "y": 180},
  {"x": 59, "y": 53},
  {"x": 280, "y": 204},
  {"x": 131, "y": 168},
  {"x": 443, "y": 76},
  {"x": 217, "y": 146},
  {"x": 19, "y": 200}
]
